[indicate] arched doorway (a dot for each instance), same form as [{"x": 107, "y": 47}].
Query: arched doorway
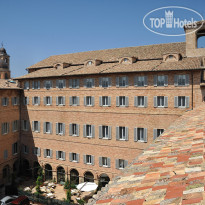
[
  {"x": 26, "y": 168},
  {"x": 60, "y": 174},
  {"x": 48, "y": 172},
  {"x": 74, "y": 176},
  {"x": 103, "y": 180},
  {"x": 88, "y": 177},
  {"x": 36, "y": 167},
  {"x": 6, "y": 173}
]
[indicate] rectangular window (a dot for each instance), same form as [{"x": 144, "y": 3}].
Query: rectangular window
[
  {"x": 60, "y": 100},
  {"x": 48, "y": 153},
  {"x": 89, "y": 82},
  {"x": 74, "y": 156},
  {"x": 88, "y": 131},
  {"x": 105, "y": 132},
  {"x": 36, "y": 126},
  {"x": 160, "y": 80},
  {"x": 60, "y": 84},
  {"x": 60, "y": 155},
  {"x": 141, "y": 81},
  {"x": 89, "y": 101},
  {"x": 88, "y": 159},
  {"x": 105, "y": 82},
  {"x": 26, "y": 100},
  {"x": 60, "y": 128},
  {"x": 48, "y": 127},
  {"x": 26, "y": 85},
  {"x": 122, "y": 134},
  {"x": 141, "y": 101},
  {"x": 181, "y": 80},
  {"x": 25, "y": 149},
  {"x": 15, "y": 148},
  {"x": 48, "y": 100},
  {"x": 15, "y": 101},
  {"x": 140, "y": 134},
  {"x": 122, "y": 81},
  {"x": 36, "y": 84},
  {"x": 121, "y": 163},
  {"x": 160, "y": 101},
  {"x": 75, "y": 83},
  {"x": 36, "y": 100},
  {"x": 104, "y": 161},
  {"x": 181, "y": 101},
  {"x": 25, "y": 125},
  {"x": 157, "y": 133},
  {"x": 5, "y": 101},
  {"x": 35, "y": 150},
  {"x": 122, "y": 100},
  {"x": 105, "y": 101},
  {"x": 73, "y": 129},
  {"x": 15, "y": 126},
  {"x": 5, "y": 128},
  {"x": 47, "y": 84},
  {"x": 5, "y": 154}
]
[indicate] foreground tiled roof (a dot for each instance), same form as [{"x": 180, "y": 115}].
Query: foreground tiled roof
[
  {"x": 170, "y": 171},
  {"x": 8, "y": 84},
  {"x": 141, "y": 52}
]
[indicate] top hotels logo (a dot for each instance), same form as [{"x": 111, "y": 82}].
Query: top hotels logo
[{"x": 171, "y": 20}]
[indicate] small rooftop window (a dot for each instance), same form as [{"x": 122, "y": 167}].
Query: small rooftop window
[
  {"x": 89, "y": 63},
  {"x": 125, "y": 59},
  {"x": 171, "y": 56}
]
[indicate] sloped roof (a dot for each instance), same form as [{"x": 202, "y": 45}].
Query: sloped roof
[
  {"x": 170, "y": 171},
  {"x": 107, "y": 55},
  {"x": 8, "y": 84}
]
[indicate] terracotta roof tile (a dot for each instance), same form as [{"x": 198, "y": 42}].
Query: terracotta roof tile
[
  {"x": 8, "y": 84},
  {"x": 181, "y": 183}
]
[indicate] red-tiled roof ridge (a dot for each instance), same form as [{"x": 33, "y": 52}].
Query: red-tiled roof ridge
[{"x": 169, "y": 171}]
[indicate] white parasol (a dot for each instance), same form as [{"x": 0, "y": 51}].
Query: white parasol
[{"x": 87, "y": 186}]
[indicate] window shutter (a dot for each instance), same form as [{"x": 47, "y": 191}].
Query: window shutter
[
  {"x": 135, "y": 81},
  {"x": 39, "y": 100},
  {"x": 154, "y": 134},
  {"x": 84, "y": 130},
  {"x": 100, "y": 82},
  {"x": 166, "y": 80},
  {"x": 64, "y": 156},
  {"x": 176, "y": 101},
  {"x": 85, "y": 101},
  {"x": 57, "y": 131},
  {"x": 175, "y": 80},
  {"x": 109, "y": 132},
  {"x": 117, "y": 133},
  {"x": 165, "y": 101},
  {"x": 32, "y": 100},
  {"x": 145, "y": 81},
  {"x": 125, "y": 163},
  {"x": 64, "y": 129},
  {"x": 109, "y": 101},
  {"x": 56, "y": 100},
  {"x": 155, "y": 101},
  {"x": 117, "y": 81},
  {"x": 70, "y": 157},
  {"x": 44, "y": 100},
  {"x": 78, "y": 129},
  {"x": 78, "y": 100},
  {"x": 44, "y": 153},
  {"x": 155, "y": 80},
  {"x": 51, "y": 152},
  {"x": 93, "y": 101},
  {"x": 100, "y": 101},
  {"x": 51, "y": 83},
  {"x": 70, "y": 130},
  {"x": 57, "y": 82},
  {"x": 145, "y": 101},
  {"x": 39, "y": 152},
  {"x": 108, "y": 162},
  {"x": 63, "y": 100},
  {"x": 100, "y": 132},
  {"x": 51, "y": 127},
  {"x": 92, "y": 159},
  {"x": 70, "y": 101},
  {"x": 127, "y": 82},
  {"x": 27, "y": 100},
  {"x": 32, "y": 126},
  {"x": 51, "y": 100},
  {"x": 84, "y": 159},
  {"x": 32, "y": 84},
  {"x": 145, "y": 134},
  {"x": 136, "y": 101},
  {"x": 126, "y": 101},
  {"x": 187, "y": 102},
  {"x": 187, "y": 80},
  {"x": 126, "y": 133},
  {"x": 100, "y": 162},
  {"x": 44, "y": 127},
  {"x": 135, "y": 135},
  {"x": 57, "y": 157},
  {"x": 64, "y": 84},
  {"x": 93, "y": 131},
  {"x": 38, "y": 126},
  {"x": 117, "y": 163},
  {"x": 117, "y": 101},
  {"x": 93, "y": 82},
  {"x": 78, "y": 83},
  {"x": 70, "y": 83},
  {"x": 39, "y": 84},
  {"x": 78, "y": 157},
  {"x": 109, "y": 82}
]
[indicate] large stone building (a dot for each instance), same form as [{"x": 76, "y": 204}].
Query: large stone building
[{"x": 87, "y": 115}]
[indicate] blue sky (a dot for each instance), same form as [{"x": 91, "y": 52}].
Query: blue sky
[{"x": 34, "y": 30}]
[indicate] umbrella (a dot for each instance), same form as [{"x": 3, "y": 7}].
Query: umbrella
[{"x": 87, "y": 186}]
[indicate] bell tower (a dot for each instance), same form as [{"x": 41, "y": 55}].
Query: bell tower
[{"x": 4, "y": 64}]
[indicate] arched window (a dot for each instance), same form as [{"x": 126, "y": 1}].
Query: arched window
[{"x": 201, "y": 39}]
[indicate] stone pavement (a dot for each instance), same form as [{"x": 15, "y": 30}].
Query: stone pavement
[{"x": 170, "y": 171}]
